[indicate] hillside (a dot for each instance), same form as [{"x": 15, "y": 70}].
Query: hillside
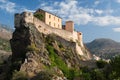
[
  {"x": 5, "y": 49},
  {"x": 104, "y": 48},
  {"x": 5, "y": 32}
]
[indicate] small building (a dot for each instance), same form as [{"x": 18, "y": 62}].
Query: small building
[{"x": 50, "y": 19}]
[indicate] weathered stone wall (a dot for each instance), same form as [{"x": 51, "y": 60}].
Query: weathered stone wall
[{"x": 46, "y": 29}]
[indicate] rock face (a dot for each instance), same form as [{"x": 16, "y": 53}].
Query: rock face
[
  {"x": 32, "y": 48},
  {"x": 44, "y": 55}
]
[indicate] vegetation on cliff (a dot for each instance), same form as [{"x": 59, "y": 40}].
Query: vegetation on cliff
[{"x": 39, "y": 16}]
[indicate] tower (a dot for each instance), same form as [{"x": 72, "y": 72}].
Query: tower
[{"x": 69, "y": 26}]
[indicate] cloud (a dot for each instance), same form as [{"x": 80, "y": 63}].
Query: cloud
[
  {"x": 118, "y": 1},
  {"x": 99, "y": 11},
  {"x": 25, "y": 9},
  {"x": 3, "y": 1},
  {"x": 70, "y": 10},
  {"x": 116, "y": 29},
  {"x": 12, "y": 7},
  {"x": 8, "y": 6},
  {"x": 96, "y": 2},
  {"x": 106, "y": 20}
]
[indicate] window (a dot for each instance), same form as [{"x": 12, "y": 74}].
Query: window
[
  {"x": 54, "y": 24},
  {"x": 54, "y": 18},
  {"x": 49, "y": 16},
  {"x": 49, "y": 23},
  {"x": 29, "y": 14},
  {"x": 58, "y": 26},
  {"x": 58, "y": 20}
]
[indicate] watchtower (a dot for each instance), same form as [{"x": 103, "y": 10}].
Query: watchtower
[{"x": 69, "y": 26}]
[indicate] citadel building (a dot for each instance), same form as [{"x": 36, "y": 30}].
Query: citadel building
[{"x": 50, "y": 19}]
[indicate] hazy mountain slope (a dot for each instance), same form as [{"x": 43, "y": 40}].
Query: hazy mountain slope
[
  {"x": 5, "y": 36},
  {"x": 5, "y": 32},
  {"x": 105, "y": 48}
]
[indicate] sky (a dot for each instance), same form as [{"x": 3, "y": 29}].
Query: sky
[{"x": 94, "y": 18}]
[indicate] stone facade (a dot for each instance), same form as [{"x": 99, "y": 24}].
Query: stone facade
[{"x": 50, "y": 19}]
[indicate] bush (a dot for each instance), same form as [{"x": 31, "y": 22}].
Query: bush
[
  {"x": 115, "y": 64},
  {"x": 97, "y": 75},
  {"x": 101, "y": 64},
  {"x": 39, "y": 16}
]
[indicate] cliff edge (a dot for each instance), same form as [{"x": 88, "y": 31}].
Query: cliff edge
[{"x": 40, "y": 55}]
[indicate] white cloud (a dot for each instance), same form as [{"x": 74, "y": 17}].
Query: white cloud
[
  {"x": 70, "y": 10},
  {"x": 24, "y": 9},
  {"x": 8, "y": 6},
  {"x": 96, "y": 2},
  {"x": 116, "y": 29},
  {"x": 3, "y": 1},
  {"x": 99, "y": 11},
  {"x": 106, "y": 20},
  {"x": 12, "y": 7},
  {"x": 118, "y": 1}
]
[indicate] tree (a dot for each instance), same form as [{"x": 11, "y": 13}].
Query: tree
[
  {"x": 39, "y": 16},
  {"x": 115, "y": 64},
  {"x": 101, "y": 64}
]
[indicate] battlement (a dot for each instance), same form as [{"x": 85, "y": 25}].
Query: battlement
[{"x": 22, "y": 18}]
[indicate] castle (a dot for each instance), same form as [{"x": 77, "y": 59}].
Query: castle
[{"x": 51, "y": 24}]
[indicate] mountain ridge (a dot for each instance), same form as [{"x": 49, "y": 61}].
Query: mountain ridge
[
  {"x": 5, "y": 32},
  {"x": 104, "y": 47}
]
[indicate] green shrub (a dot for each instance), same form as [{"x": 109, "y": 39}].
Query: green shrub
[
  {"x": 39, "y": 16},
  {"x": 101, "y": 64},
  {"x": 115, "y": 64},
  {"x": 97, "y": 74},
  {"x": 57, "y": 61}
]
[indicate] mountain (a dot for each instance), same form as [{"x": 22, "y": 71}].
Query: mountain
[
  {"x": 104, "y": 48},
  {"x": 5, "y": 32},
  {"x": 5, "y": 36}
]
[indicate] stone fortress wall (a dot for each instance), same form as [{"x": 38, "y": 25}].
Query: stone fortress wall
[{"x": 28, "y": 17}]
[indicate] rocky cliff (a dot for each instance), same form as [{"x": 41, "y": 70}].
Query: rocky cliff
[
  {"x": 44, "y": 57},
  {"x": 35, "y": 52}
]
